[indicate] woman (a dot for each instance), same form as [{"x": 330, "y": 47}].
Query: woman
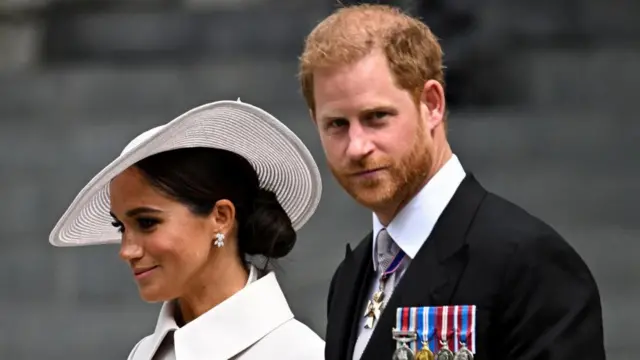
[{"x": 188, "y": 201}]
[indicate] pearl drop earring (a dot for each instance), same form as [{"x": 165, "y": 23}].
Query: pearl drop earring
[{"x": 219, "y": 240}]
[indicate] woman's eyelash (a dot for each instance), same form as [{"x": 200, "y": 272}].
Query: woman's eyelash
[
  {"x": 147, "y": 223},
  {"x": 118, "y": 225},
  {"x": 142, "y": 223}
]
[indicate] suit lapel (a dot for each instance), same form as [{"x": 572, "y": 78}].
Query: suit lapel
[
  {"x": 432, "y": 276},
  {"x": 351, "y": 290}
]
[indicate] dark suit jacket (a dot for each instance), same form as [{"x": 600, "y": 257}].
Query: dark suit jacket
[{"x": 535, "y": 297}]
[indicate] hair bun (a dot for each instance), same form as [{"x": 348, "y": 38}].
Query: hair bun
[
  {"x": 265, "y": 196},
  {"x": 268, "y": 230}
]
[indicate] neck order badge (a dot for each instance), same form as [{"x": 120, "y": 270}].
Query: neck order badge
[
  {"x": 438, "y": 332},
  {"x": 375, "y": 305}
]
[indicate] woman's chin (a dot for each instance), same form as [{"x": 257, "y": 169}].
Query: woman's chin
[{"x": 152, "y": 295}]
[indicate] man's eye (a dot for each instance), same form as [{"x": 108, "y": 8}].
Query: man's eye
[
  {"x": 377, "y": 115},
  {"x": 380, "y": 114},
  {"x": 338, "y": 123}
]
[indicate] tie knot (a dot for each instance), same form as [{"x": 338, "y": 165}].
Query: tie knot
[{"x": 386, "y": 249}]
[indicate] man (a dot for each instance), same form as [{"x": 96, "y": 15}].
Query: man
[{"x": 448, "y": 267}]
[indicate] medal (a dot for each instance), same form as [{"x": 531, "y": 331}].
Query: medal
[
  {"x": 465, "y": 319},
  {"x": 374, "y": 308},
  {"x": 375, "y": 305},
  {"x": 432, "y": 333},
  {"x": 403, "y": 351},
  {"x": 421, "y": 320},
  {"x": 426, "y": 324},
  {"x": 444, "y": 353},
  {"x": 425, "y": 353},
  {"x": 445, "y": 319},
  {"x": 463, "y": 354}
]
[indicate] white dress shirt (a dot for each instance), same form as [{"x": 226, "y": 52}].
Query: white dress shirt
[
  {"x": 255, "y": 323},
  {"x": 410, "y": 229}
]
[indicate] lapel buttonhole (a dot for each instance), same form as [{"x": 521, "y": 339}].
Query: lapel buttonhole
[{"x": 348, "y": 250}]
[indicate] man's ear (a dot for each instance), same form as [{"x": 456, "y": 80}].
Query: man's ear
[
  {"x": 433, "y": 104},
  {"x": 312, "y": 115}
]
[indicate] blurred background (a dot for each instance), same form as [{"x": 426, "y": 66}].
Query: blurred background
[{"x": 542, "y": 98}]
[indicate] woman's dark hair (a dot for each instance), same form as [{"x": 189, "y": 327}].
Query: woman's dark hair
[{"x": 199, "y": 177}]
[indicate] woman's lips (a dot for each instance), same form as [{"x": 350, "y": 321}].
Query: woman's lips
[{"x": 140, "y": 273}]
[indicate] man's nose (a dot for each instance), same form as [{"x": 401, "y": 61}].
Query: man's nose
[{"x": 360, "y": 144}]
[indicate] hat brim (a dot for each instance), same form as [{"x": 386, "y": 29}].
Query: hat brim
[{"x": 283, "y": 163}]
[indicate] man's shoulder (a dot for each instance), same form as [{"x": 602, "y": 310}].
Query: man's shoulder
[
  {"x": 498, "y": 215},
  {"x": 503, "y": 226}
]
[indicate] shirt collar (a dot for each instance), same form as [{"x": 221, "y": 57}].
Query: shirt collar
[
  {"x": 237, "y": 323},
  {"x": 413, "y": 224}
]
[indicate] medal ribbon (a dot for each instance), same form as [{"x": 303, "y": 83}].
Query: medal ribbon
[
  {"x": 465, "y": 318},
  {"x": 454, "y": 324},
  {"x": 422, "y": 321},
  {"x": 395, "y": 264},
  {"x": 407, "y": 320},
  {"x": 427, "y": 329},
  {"x": 445, "y": 326}
]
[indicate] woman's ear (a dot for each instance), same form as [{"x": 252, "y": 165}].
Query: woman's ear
[{"x": 223, "y": 216}]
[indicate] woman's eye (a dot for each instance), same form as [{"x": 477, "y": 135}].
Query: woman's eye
[
  {"x": 118, "y": 225},
  {"x": 146, "y": 223}
]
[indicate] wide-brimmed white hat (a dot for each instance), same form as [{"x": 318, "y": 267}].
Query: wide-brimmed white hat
[{"x": 283, "y": 163}]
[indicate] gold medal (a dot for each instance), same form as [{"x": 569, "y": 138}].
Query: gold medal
[{"x": 425, "y": 353}]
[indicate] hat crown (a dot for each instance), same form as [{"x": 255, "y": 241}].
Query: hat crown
[{"x": 141, "y": 138}]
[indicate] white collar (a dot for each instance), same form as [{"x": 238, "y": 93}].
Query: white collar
[
  {"x": 230, "y": 327},
  {"x": 413, "y": 224}
]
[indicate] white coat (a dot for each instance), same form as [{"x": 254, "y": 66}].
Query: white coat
[{"x": 256, "y": 323}]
